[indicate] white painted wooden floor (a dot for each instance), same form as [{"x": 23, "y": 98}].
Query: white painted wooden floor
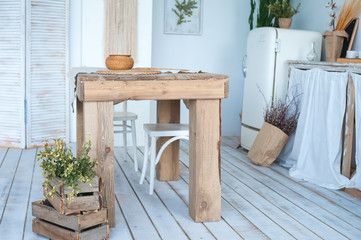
[{"x": 257, "y": 202}]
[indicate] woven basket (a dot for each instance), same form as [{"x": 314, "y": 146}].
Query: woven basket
[{"x": 119, "y": 62}]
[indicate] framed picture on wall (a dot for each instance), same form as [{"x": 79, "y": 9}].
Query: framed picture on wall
[{"x": 183, "y": 17}]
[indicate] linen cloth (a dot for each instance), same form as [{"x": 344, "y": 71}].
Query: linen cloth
[{"x": 315, "y": 154}]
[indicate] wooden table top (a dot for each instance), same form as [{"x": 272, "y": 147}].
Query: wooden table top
[
  {"x": 161, "y": 76},
  {"x": 95, "y": 87}
]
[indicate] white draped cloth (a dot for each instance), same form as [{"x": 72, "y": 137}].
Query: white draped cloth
[{"x": 314, "y": 152}]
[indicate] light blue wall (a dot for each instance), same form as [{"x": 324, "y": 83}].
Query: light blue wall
[
  {"x": 314, "y": 16},
  {"x": 219, "y": 49},
  {"x": 223, "y": 44}
]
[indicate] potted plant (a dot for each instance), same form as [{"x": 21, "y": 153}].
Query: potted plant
[
  {"x": 334, "y": 39},
  {"x": 69, "y": 182},
  {"x": 263, "y": 17},
  {"x": 284, "y": 12},
  {"x": 280, "y": 122}
]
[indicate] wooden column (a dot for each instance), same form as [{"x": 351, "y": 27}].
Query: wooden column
[
  {"x": 168, "y": 111},
  {"x": 349, "y": 129},
  {"x": 79, "y": 128},
  {"x": 95, "y": 123},
  {"x": 204, "y": 160}
]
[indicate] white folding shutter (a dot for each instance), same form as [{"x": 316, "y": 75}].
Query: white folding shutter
[
  {"x": 47, "y": 58},
  {"x": 12, "y": 60}
]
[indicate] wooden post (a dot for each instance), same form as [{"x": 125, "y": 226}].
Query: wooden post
[
  {"x": 79, "y": 128},
  {"x": 97, "y": 127},
  {"x": 168, "y": 111},
  {"x": 349, "y": 129},
  {"x": 204, "y": 160}
]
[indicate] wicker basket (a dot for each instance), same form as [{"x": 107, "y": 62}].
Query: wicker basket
[{"x": 119, "y": 62}]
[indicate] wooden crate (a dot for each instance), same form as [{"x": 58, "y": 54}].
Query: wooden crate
[
  {"x": 89, "y": 198},
  {"x": 77, "y": 222},
  {"x": 56, "y": 232}
]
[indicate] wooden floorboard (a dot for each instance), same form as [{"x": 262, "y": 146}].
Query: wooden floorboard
[
  {"x": 335, "y": 194},
  {"x": 7, "y": 175},
  {"x": 333, "y": 199},
  {"x": 3, "y": 152},
  {"x": 179, "y": 210},
  {"x": 257, "y": 202},
  {"x": 334, "y": 216},
  {"x": 162, "y": 219}
]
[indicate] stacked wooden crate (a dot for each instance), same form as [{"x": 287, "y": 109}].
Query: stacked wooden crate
[{"x": 80, "y": 218}]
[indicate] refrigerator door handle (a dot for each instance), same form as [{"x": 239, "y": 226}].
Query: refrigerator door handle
[
  {"x": 244, "y": 66},
  {"x": 278, "y": 45}
]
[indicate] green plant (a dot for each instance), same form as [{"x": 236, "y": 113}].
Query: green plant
[
  {"x": 283, "y": 9},
  {"x": 264, "y": 17},
  {"x": 184, "y": 8},
  {"x": 58, "y": 162}
]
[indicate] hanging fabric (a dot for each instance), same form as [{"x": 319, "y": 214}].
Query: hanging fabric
[
  {"x": 317, "y": 146},
  {"x": 294, "y": 96},
  {"x": 120, "y": 30}
]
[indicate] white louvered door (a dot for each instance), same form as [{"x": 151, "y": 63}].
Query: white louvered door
[
  {"x": 46, "y": 61},
  {"x": 12, "y": 71},
  {"x": 33, "y": 67}
]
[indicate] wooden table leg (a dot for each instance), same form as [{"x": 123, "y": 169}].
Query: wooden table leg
[
  {"x": 168, "y": 111},
  {"x": 204, "y": 160},
  {"x": 96, "y": 121}
]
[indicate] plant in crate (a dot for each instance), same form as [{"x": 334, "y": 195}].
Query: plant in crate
[
  {"x": 280, "y": 122},
  {"x": 284, "y": 12},
  {"x": 67, "y": 178}
]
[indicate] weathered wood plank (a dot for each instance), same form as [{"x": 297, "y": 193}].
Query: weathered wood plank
[
  {"x": 235, "y": 218},
  {"x": 204, "y": 160},
  {"x": 3, "y": 152},
  {"x": 121, "y": 230},
  {"x": 221, "y": 229},
  {"x": 78, "y": 204},
  {"x": 337, "y": 196},
  {"x": 163, "y": 76},
  {"x": 353, "y": 192},
  {"x": 137, "y": 219},
  {"x": 79, "y": 127},
  {"x": 105, "y": 148},
  {"x": 56, "y": 232},
  {"x": 262, "y": 226},
  {"x": 166, "y": 225},
  {"x": 78, "y": 222},
  {"x": 290, "y": 217},
  {"x": 179, "y": 210},
  {"x": 14, "y": 214},
  {"x": 349, "y": 129},
  {"x": 293, "y": 194},
  {"x": 168, "y": 166},
  {"x": 35, "y": 195},
  {"x": 91, "y": 91},
  {"x": 98, "y": 128},
  {"x": 92, "y": 186},
  {"x": 7, "y": 175}
]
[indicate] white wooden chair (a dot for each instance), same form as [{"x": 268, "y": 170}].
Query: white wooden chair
[
  {"x": 153, "y": 132},
  {"x": 121, "y": 126}
]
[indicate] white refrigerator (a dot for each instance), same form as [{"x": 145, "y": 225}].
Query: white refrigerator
[{"x": 268, "y": 50}]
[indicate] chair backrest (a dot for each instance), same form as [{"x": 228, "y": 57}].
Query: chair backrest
[{"x": 125, "y": 106}]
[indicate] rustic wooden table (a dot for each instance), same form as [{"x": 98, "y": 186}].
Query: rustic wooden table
[{"x": 202, "y": 93}]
